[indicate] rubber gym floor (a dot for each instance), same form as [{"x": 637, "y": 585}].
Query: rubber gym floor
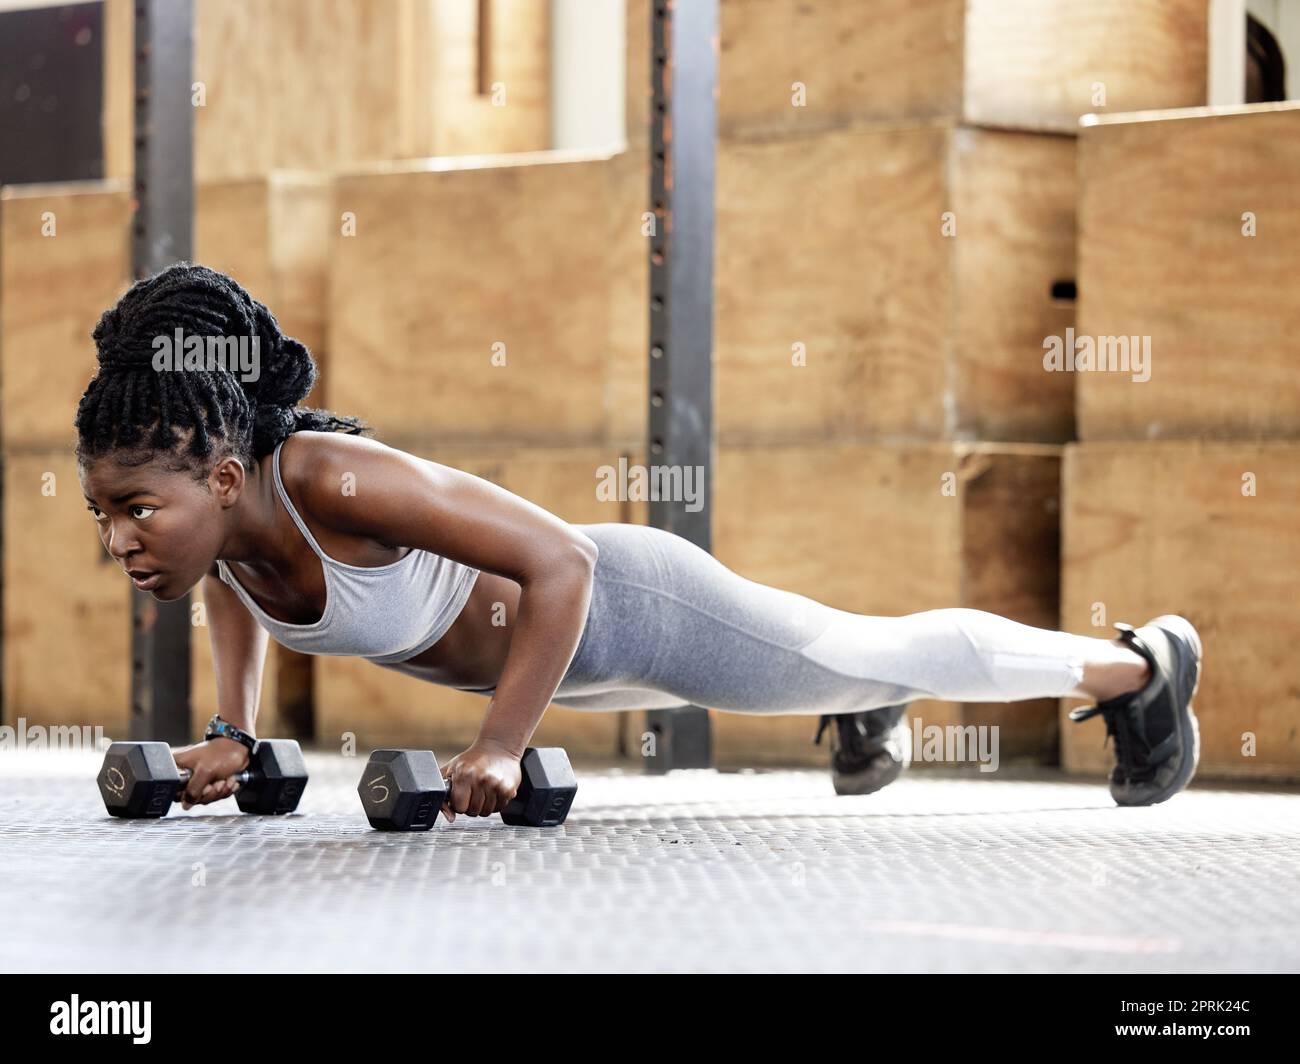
[{"x": 693, "y": 872}]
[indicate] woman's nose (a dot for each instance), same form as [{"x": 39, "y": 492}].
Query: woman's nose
[{"x": 119, "y": 542}]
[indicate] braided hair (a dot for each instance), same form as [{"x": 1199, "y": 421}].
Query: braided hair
[{"x": 194, "y": 416}]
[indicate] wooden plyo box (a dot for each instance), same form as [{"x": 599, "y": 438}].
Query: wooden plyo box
[
  {"x": 472, "y": 304},
  {"x": 888, "y": 284},
  {"x": 67, "y": 607},
  {"x": 1017, "y": 64},
  {"x": 1205, "y": 530},
  {"x": 875, "y": 283},
  {"x": 64, "y": 260},
  {"x": 1189, "y": 243},
  {"x": 324, "y": 85}
]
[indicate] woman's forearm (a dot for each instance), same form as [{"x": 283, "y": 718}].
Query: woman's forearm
[
  {"x": 239, "y": 679},
  {"x": 239, "y": 646},
  {"x": 548, "y": 628}
]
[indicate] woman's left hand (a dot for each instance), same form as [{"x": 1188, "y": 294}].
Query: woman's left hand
[{"x": 483, "y": 780}]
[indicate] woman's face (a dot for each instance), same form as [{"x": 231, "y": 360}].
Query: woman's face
[{"x": 162, "y": 527}]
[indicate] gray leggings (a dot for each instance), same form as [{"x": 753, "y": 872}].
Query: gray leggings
[{"x": 670, "y": 625}]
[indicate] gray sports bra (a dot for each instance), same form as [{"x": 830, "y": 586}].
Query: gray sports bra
[{"x": 385, "y": 614}]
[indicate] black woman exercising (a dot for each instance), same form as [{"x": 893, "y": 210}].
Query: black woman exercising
[{"x": 302, "y": 528}]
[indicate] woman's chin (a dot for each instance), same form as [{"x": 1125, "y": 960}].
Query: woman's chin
[
  {"x": 171, "y": 589},
  {"x": 166, "y": 589}
]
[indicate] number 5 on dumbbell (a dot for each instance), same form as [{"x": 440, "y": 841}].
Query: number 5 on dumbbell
[
  {"x": 141, "y": 779},
  {"x": 403, "y": 790}
]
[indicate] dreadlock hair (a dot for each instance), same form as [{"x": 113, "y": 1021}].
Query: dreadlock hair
[{"x": 140, "y": 413}]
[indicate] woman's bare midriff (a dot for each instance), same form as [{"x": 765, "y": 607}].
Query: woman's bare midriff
[{"x": 472, "y": 652}]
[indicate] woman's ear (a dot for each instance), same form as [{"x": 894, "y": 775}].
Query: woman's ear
[{"x": 227, "y": 480}]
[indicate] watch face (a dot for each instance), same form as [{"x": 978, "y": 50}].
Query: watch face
[{"x": 218, "y": 728}]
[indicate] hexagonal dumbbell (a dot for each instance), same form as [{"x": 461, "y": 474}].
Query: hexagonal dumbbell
[
  {"x": 141, "y": 779},
  {"x": 403, "y": 790}
]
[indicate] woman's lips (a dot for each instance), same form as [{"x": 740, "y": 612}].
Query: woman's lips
[{"x": 146, "y": 582}]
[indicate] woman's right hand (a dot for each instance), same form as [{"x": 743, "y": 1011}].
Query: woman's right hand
[{"x": 212, "y": 765}]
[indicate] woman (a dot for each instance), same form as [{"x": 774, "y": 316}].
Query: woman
[{"x": 300, "y": 527}]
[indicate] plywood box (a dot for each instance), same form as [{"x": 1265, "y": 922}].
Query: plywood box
[
  {"x": 511, "y": 112},
  {"x": 910, "y": 269},
  {"x": 1206, "y": 530},
  {"x": 1189, "y": 245},
  {"x": 1019, "y": 64},
  {"x": 915, "y": 270},
  {"x": 871, "y": 530},
  {"x": 64, "y": 260},
  {"x": 379, "y": 706},
  {"x": 472, "y": 304},
  {"x": 273, "y": 235},
  {"x": 67, "y": 615},
  {"x": 329, "y": 84}
]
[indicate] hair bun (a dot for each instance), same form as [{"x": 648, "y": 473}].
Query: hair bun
[
  {"x": 287, "y": 371},
  {"x": 106, "y": 331},
  {"x": 115, "y": 348}
]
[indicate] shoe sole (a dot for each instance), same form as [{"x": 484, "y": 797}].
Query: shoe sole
[{"x": 1180, "y": 628}]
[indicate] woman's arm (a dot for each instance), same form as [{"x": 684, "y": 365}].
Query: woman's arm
[
  {"x": 239, "y": 646},
  {"x": 238, "y": 656},
  {"x": 362, "y": 487}
]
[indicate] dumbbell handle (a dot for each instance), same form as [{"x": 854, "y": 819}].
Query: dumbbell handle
[{"x": 247, "y": 776}]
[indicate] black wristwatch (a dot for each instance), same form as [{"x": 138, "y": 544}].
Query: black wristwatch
[{"x": 223, "y": 729}]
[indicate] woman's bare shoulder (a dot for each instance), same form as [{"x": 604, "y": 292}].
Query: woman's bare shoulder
[{"x": 328, "y": 472}]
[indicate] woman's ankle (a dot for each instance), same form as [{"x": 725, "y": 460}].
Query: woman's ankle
[{"x": 1117, "y": 671}]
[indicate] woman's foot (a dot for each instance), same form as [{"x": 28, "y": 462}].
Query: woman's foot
[
  {"x": 869, "y": 750},
  {"x": 1157, "y": 740}
]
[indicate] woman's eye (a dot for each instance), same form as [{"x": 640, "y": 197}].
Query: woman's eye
[
  {"x": 96, "y": 512},
  {"x": 147, "y": 512}
]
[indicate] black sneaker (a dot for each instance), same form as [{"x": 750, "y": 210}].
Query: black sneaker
[
  {"x": 869, "y": 750},
  {"x": 1157, "y": 741}
]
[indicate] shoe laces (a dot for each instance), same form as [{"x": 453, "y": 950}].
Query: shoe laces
[{"x": 1130, "y": 750}]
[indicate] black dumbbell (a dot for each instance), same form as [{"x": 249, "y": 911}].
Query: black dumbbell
[
  {"x": 403, "y": 790},
  {"x": 142, "y": 780}
]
